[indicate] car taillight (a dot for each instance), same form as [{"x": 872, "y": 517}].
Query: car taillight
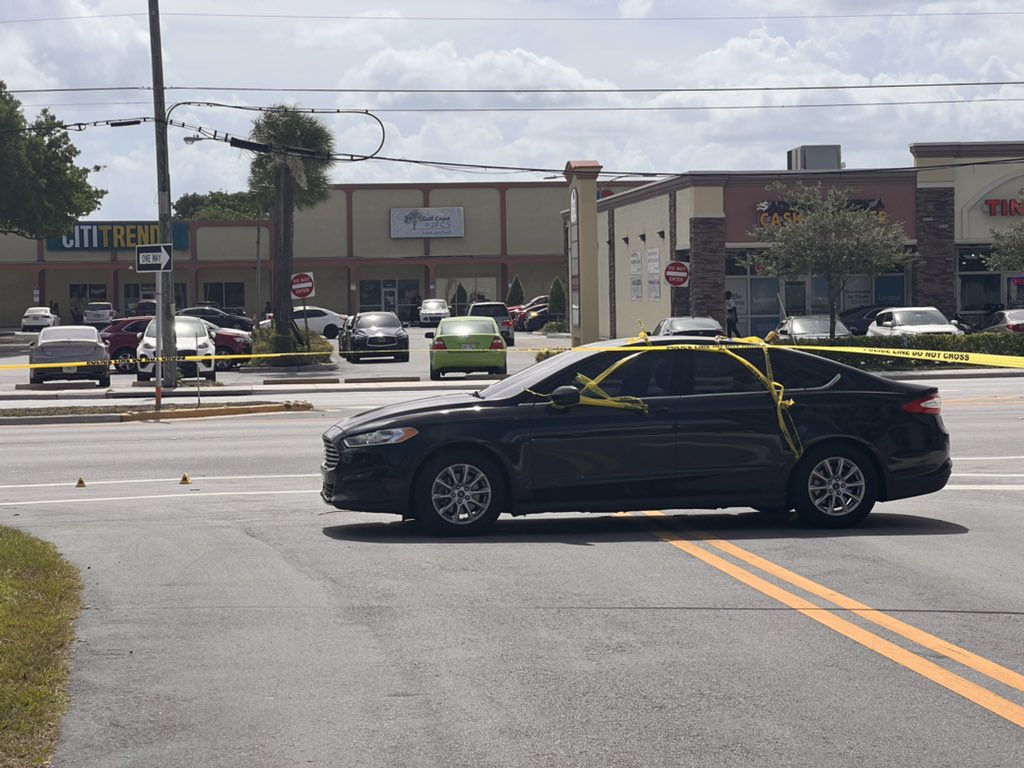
[
  {"x": 507, "y": 322},
  {"x": 1018, "y": 327},
  {"x": 928, "y": 404},
  {"x": 497, "y": 344},
  {"x": 439, "y": 344}
]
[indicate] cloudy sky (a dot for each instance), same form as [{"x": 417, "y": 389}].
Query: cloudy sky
[{"x": 642, "y": 86}]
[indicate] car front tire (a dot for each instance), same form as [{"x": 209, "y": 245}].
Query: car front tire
[
  {"x": 124, "y": 360},
  {"x": 223, "y": 365},
  {"x": 104, "y": 381},
  {"x": 834, "y": 486},
  {"x": 331, "y": 332},
  {"x": 458, "y": 493},
  {"x": 435, "y": 375}
]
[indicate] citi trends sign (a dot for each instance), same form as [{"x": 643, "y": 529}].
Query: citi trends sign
[
  {"x": 117, "y": 236},
  {"x": 771, "y": 212},
  {"x": 995, "y": 206}
]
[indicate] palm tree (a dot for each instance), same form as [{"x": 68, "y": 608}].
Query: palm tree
[{"x": 296, "y": 169}]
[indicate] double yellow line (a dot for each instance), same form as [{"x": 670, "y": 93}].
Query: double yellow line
[{"x": 1009, "y": 710}]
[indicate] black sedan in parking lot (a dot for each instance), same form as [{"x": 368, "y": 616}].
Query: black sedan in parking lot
[
  {"x": 375, "y": 334},
  {"x": 673, "y": 422}
]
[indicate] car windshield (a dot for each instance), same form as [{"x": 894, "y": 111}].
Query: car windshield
[
  {"x": 529, "y": 377},
  {"x": 434, "y": 304},
  {"x": 69, "y": 333},
  {"x": 692, "y": 324},
  {"x": 463, "y": 326},
  {"x": 378, "y": 320},
  {"x": 920, "y": 317},
  {"x": 183, "y": 326}
]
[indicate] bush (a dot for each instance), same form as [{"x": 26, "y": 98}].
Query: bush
[
  {"x": 1011, "y": 344},
  {"x": 554, "y": 327},
  {"x": 267, "y": 341},
  {"x": 544, "y": 354},
  {"x": 515, "y": 293},
  {"x": 556, "y": 297}
]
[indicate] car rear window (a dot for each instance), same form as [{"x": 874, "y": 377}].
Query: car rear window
[
  {"x": 98, "y": 305},
  {"x": 465, "y": 326},
  {"x": 489, "y": 310}
]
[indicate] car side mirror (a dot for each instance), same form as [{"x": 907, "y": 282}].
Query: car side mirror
[
  {"x": 428, "y": 335},
  {"x": 31, "y": 344},
  {"x": 886, "y": 323},
  {"x": 138, "y": 336},
  {"x": 565, "y": 396}
]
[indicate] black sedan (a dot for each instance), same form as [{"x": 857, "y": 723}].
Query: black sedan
[
  {"x": 376, "y": 334},
  {"x": 219, "y": 317},
  {"x": 676, "y": 422},
  {"x": 689, "y": 325}
]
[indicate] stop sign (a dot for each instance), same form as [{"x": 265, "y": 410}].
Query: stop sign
[
  {"x": 677, "y": 274},
  {"x": 302, "y": 285}
]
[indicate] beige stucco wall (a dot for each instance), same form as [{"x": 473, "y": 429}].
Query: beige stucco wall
[
  {"x": 221, "y": 243},
  {"x": 15, "y": 249},
  {"x": 534, "y": 219},
  {"x": 371, "y": 208},
  {"x": 482, "y": 217},
  {"x": 647, "y": 217},
  {"x": 320, "y": 233},
  {"x": 17, "y": 295},
  {"x": 976, "y": 184}
]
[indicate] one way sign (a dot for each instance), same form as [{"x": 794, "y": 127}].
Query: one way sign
[{"x": 153, "y": 258}]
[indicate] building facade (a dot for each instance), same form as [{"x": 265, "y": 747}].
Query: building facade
[{"x": 948, "y": 204}]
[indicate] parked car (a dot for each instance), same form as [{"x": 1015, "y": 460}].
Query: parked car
[
  {"x": 377, "y": 334},
  {"x": 538, "y": 317},
  {"x": 36, "y": 318},
  {"x": 229, "y": 343},
  {"x": 145, "y": 308},
  {"x": 689, "y": 325},
  {"x": 518, "y": 311},
  {"x": 467, "y": 344},
  {"x": 911, "y": 321},
  {"x": 693, "y": 429},
  {"x": 218, "y": 317},
  {"x": 69, "y": 352},
  {"x": 499, "y": 311},
  {"x": 345, "y": 337},
  {"x": 1005, "y": 321},
  {"x": 192, "y": 338},
  {"x": 99, "y": 314},
  {"x": 859, "y": 318},
  {"x": 432, "y": 311},
  {"x": 122, "y": 338},
  {"x": 323, "y": 321},
  {"x": 810, "y": 328}
]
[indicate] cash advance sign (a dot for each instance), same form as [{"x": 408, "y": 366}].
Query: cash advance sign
[
  {"x": 117, "y": 236},
  {"x": 771, "y": 212},
  {"x": 427, "y": 222}
]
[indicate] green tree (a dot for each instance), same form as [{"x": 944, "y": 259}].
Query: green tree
[
  {"x": 556, "y": 297},
  {"x": 42, "y": 192},
  {"x": 1007, "y": 248},
  {"x": 296, "y": 169},
  {"x": 830, "y": 235},
  {"x": 219, "y": 205},
  {"x": 515, "y": 293}
]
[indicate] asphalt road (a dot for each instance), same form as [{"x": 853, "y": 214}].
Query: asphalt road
[{"x": 237, "y": 621}]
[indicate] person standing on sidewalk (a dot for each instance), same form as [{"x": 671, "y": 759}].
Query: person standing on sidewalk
[{"x": 732, "y": 327}]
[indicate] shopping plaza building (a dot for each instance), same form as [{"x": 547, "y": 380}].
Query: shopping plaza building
[{"x": 382, "y": 246}]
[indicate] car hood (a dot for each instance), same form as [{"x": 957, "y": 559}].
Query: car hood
[
  {"x": 930, "y": 328},
  {"x": 390, "y": 415},
  {"x": 232, "y": 332}
]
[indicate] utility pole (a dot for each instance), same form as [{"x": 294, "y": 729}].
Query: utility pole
[{"x": 166, "y": 375}]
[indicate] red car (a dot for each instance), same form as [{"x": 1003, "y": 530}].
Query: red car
[
  {"x": 520, "y": 311},
  {"x": 122, "y": 338}
]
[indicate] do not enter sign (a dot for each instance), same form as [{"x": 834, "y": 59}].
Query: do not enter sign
[
  {"x": 302, "y": 285},
  {"x": 677, "y": 274}
]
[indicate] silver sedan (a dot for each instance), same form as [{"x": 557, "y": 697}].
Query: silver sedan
[{"x": 69, "y": 352}]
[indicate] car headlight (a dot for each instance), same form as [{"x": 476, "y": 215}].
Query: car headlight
[{"x": 380, "y": 437}]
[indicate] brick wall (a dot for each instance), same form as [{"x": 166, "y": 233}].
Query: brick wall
[
  {"x": 933, "y": 275},
  {"x": 707, "y": 260}
]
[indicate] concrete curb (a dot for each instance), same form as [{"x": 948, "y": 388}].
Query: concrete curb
[{"x": 183, "y": 413}]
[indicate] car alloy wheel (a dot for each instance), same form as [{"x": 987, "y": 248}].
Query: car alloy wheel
[
  {"x": 834, "y": 486},
  {"x": 124, "y": 360},
  {"x": 223, "y": 364},
  {"x": 459, "y": 493}
]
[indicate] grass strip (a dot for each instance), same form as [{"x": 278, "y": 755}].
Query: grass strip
[{"x": 40, "y": 599}]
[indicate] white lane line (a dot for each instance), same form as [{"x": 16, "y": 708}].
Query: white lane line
[
  {"x": 156, "y": 496},
  {"x": 986, "y": 474},
  {"x": 988, "y": 458},
  {"x": 991, "y": 487},
  {"x": 175, "y": 479}
]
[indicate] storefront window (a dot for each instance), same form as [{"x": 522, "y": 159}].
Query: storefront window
[
  {"x": 734, "y": 263},
  {"x": 972, "y": 258},
  {"x": 819, "y": 296},
  {"x": 890, "y": 290},
  {"x": 370, "y": 295},
  {"x": 980, "y": 293},
  {"x": 225, "y": 294},
  {"x": 1015, "y": 292}
]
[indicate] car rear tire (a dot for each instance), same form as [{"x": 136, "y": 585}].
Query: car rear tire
[
  {"x": 834, "y": 486},
  {"x": 403, "y": 358},
  {"x": 124, "y": 360},
  {"x": 435, "y": 375},
  {"x": 33, "y": 379},
  {"x": 104, "y": 381},
  {"x": 211, "y": 376},
  {"x": 331, "y": 332},
  {"x": 458, "y": 493}
]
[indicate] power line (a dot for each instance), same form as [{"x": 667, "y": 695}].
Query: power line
[
  {"x": 534, "y": 19},
  {"x": 523, "y": 91}
]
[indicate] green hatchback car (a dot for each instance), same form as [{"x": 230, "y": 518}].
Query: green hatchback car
[{"x": 466, "y": 344}]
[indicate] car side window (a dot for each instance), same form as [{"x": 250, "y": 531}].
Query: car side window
[
  {"x": 716, "y": 373},
  {"x": 883, "y": 317},
  {"x": 645, "y": 374}
]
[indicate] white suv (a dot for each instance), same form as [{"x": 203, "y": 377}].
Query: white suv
[
  {"x": 432, "y": 311},
  {"x": 192, "y": 339},
  {"x": 99, "y": 313},
  {"x": 911, "y": 321}
]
